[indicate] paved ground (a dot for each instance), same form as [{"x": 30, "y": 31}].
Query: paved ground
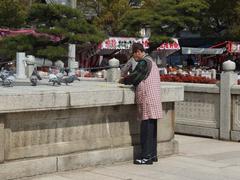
[{"x": 198, "y": 159}]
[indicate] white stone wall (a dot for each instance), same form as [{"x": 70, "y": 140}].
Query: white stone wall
[
  {"x": 46, "y": 129},
  {"x": 48, "y": 141},
  {"x": 236, "y": 112},
  {"x": 235, "y": 128},
  {"x": 199, "y": 113},
  {"x": 48, "y": 133},
  {"x": 198, "y": 109}
]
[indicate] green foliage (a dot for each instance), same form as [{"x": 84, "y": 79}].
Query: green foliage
[
  {"x": 62, "y": 21},
  {"x": 222, "y": 20},
  {"x": 166, "y": 18},
  {"x": 12, "y": 13},
  {"x": 53, "y": 52},
  {"x": 22, "y": 43},
  {"x": 10, "y": 45},
  {"x": 108, "y": 13},
  {"x": 191, "y": 13}
]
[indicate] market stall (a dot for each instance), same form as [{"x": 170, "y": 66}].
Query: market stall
[
  {"x": 199, "y": 65},
  {"x": 93, "y": 59},
  {"x": 162, "y": 53}
]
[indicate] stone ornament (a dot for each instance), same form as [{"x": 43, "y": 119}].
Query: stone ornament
[{"x": 229, "y": 65}]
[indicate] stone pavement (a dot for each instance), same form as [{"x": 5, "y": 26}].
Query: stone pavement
[{"x": 198, "y": 159}]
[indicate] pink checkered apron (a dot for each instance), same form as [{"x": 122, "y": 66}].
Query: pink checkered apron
[{"x": 148, "y": 96}]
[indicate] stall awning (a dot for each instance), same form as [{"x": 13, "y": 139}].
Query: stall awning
[
  {"x": 190, "y": 50},
  {"x": 233, "y": 47},
  {"x": 167, "y": 48},
  {"x": 169, "y": 45},
  {"x": 122, "y": 43}
]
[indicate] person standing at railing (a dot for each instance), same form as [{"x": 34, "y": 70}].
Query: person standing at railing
[{"x": 146, "y": 79}]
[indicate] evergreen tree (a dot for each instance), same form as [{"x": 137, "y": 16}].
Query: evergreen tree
[
  {"x": 107, "y": 14},
  {"x": 222, "y": 19},
  {"x": 52, "y": 19},
  {"x": 166, "y": 18},
  {"x": 12, "y": 14}
]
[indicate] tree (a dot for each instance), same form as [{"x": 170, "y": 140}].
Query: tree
[
  {"x": 222, "y": 19},
  {"x": 234, "y": 29},
  {"x": 166, "y": 18},
  {"x": 61, "y": 21},
  {"x": 107, "y": 14},
  {"x": 12, "y": 13}
]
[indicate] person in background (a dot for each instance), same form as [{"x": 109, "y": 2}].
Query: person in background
[
  {"x": 128, "y": 67},
  {"x": 146, "y": 80},
  {"x": 104, "y": 61}
]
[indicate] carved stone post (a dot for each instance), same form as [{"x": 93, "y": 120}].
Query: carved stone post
[
  {"x": 114, "y": 73},
  {"x": 228, "y": 79},
  {"x": 20, "y": 66},
  {"x": 1, "y": 141},
  {"x": 72, "y": 64}
]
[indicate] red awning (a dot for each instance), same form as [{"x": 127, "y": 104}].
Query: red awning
[
  {"x": 233, "y": 47},
  {"x": 122, "y": 43},
  {"x": 169, "y": 45}
]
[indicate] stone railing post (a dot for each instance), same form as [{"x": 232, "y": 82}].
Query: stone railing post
[
  {"x": 1, "y": 141},
  {"x": 20, "y": 65},
  {"x": 228, "y": 79},
  {"x": 114, "y": 73},
  {"x": 72, "y": 63}
]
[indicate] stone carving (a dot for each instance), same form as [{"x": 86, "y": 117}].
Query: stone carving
[{"x": 198, "y": 109}]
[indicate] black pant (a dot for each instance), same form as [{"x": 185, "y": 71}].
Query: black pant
[{"x": 148, "y": 138}]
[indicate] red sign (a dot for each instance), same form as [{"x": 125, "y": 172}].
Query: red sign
[
  {"x": 122, "y": 43},
  {"x": 169, "y": 46},
  {"x": 233, "y": 47}
]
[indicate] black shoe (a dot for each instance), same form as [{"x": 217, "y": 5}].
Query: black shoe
[
  {"x": 143, "y": 161},
  {"x": 154, "y": 159}
]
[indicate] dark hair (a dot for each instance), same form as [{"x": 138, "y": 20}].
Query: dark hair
[{"x": 137, "y": 46}]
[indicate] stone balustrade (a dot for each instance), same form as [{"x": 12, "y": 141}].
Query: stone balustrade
[
  {"x": 199, "y": 113},
  {"x": 45, "y": 129},
  {"x": 210, "y": 110}
]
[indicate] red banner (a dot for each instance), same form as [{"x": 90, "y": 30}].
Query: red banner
[
  {"x": 233, "y": 47},
  {"x": 169, "y": 46},
  {"x": 122, "y": 43}
]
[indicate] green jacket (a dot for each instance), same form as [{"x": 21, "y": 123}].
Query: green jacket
[{"x": 140, "y": 73}]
